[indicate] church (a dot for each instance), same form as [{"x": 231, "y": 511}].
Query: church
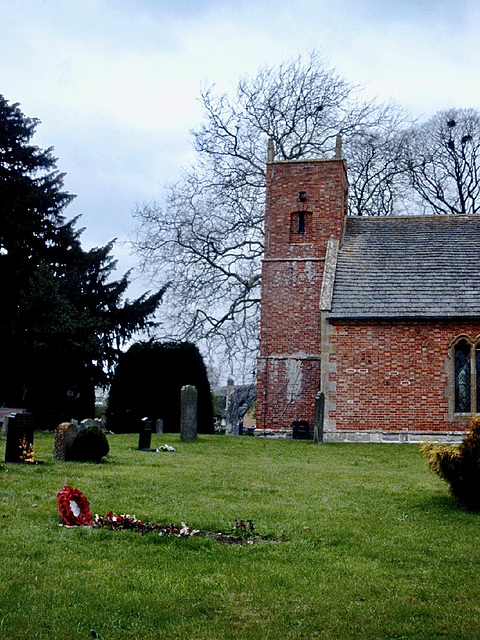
[{"x": 377, "y": 316}]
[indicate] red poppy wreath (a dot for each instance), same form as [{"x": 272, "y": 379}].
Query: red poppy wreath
[
  {"x": 74, "y": 507},
  {"x": 75, "y": 512}
]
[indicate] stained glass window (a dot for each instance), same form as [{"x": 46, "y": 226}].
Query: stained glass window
[
  {"x": 463, "y": 385},
  {"x": 477, "y": 371}
]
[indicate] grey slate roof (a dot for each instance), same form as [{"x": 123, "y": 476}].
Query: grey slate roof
[{"x": 407, "y": 267}]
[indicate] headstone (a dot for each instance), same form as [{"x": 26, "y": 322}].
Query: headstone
[
  {"x": 159, "y": 426},
  {"x": 188, "y": 416},
  {"x": 145, "y": 435},
  {"x": 90, "y": 444},
  {"x": 64, "y": 436},
  {"x": 89, "y": 422},
  {"x": 19, "y": 436},
  {"x": 319, "y": 417},
  {"x": 5, "y": 424},
  {"x": 300, "y": 430}
]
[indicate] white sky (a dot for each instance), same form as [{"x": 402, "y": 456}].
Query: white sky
[{"x": 115, "y": 82}]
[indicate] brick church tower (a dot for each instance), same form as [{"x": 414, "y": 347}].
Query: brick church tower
[{"x": 305, "y": 212}]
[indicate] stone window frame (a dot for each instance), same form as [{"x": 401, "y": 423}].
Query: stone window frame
[{"x": 474, "y": 345}]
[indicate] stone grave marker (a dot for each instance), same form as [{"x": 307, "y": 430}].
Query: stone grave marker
[
  {"x": 64, "y": 435},
  {"x": 188, "y": 417},
  {"x": 319, "y": 417},
  {"x": 19, "y": 436},
  {"x": 145, "y": 435}
]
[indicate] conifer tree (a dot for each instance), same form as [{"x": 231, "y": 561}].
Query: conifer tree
[{"x": 62, "y": 319}]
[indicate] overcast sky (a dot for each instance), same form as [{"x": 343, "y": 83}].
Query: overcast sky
[{"x": 115, "y": 82}]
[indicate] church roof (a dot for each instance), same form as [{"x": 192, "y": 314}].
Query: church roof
[{"x": 409, "y": 266}]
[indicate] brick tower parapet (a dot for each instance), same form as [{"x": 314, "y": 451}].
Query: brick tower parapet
[{"x": 306, "y": 204}]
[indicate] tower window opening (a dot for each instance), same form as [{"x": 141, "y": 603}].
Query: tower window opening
[
  {"x": 301, "y": 222},
  {"x": 300, "y": 226}
]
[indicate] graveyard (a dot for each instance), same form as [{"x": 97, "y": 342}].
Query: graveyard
[{"x": 345, "y": 541}]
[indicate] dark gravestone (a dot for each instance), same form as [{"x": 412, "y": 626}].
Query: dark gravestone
[
  {"x": 145, "y": 435},
  {"x": 319, "y": 417},
  {"x": 84, "y": 442},
  {"x": 19, "y": 436},
  {"x": 188, "y": 416},
  {"x": 89, "y": 445}
]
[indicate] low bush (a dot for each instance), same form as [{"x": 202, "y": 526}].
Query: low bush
[{"x": 459, "y": 465}]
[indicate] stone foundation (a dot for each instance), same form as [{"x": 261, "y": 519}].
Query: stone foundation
[
  {"x": 379, "y": 437},
  {"x": 394, "y": 437}
]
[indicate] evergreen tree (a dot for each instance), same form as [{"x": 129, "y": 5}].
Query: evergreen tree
[
  {"x": 148, "y": 382},
  {"x": 62, "y": 321}
]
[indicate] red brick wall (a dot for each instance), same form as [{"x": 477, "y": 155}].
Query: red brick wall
[
  {"x": 394, "y": 375},
  {"x": 289, "y": 364},
  {"x": 286, "y": 392}
]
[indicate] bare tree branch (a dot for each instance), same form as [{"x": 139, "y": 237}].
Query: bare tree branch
[{"x": 442, "y": 159}]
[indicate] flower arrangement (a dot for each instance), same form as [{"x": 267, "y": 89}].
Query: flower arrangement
[
  {"x": 26, "y": 452},
  {"x": 125, "y": 521},
  {"x": 75, "y": 512}
]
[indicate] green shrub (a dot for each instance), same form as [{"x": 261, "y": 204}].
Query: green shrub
[
  {"x": 459, "y": 465},
  {"x": 89, "y": 445}
]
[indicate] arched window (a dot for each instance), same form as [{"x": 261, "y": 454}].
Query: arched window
[
  {"x": 477, "y": 377},
  {"x": 463, "y": 377},
  {"x": 467, "y": 376}
]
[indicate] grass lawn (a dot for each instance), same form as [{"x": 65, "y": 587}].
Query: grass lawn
[{"x": 372, "y": 546}]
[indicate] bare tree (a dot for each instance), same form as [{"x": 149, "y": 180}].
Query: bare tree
[
  {"x": 442, "y": 158},
  {"x": 301, "y": 106},
  {"x": 207, "y": 244},
  {"x": 378, "y": 179},
  {"x": 208, "y": 239}
]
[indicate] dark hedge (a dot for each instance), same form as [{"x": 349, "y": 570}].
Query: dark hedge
[{"x": 147, "y": 383}]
